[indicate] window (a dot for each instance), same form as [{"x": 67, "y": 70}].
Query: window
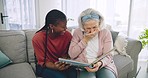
[
  {"x": 72, "y": 9},
  {"x": 139, "y": 21},
  {"x": 21, "y": 14},
  {"x": 115, "y": 12},
  {"x": 129, "y": 17}
]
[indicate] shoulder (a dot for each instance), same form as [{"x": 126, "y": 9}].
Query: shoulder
[
  {"x": 38, "y": 36},
  {"x": 78, "y": 31},
  {"x": 67, "y": 35},
  {"x": 105, "y": 31}
]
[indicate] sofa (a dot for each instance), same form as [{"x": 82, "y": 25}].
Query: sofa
[{"x": 17, "y": 46}]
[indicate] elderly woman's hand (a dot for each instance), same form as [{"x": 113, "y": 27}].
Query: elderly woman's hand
[
  {"x": 95, "y": 68},
  {"x": 89, "y": 35}
]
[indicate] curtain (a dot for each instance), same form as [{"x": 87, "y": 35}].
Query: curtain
[
  {"x": 21, "y": 14},
  {"x": 139, "y": 21},
  {"x": 129, "y": 17}
]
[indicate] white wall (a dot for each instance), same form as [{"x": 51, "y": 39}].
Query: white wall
[{"x": 43, "y": 7}]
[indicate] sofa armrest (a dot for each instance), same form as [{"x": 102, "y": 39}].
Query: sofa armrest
[{"x": 133, "y": 49}]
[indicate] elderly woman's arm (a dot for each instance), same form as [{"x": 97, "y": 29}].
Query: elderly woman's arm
[
  {"x": 108, "y": 45},
  {"x": 77, "y": 44}
]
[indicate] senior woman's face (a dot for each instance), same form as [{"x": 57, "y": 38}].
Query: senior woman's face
[{"x": 91, "y": 26}]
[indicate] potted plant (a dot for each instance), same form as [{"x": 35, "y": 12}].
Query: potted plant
[{"x": 144, "y": 38}]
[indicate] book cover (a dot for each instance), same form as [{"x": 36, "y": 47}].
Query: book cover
[{"x": 81, "y": 64}]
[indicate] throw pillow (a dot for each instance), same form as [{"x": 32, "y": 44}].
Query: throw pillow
[
  {"x": 121, "y": 45},
  {"x": 4, "y": 60}
]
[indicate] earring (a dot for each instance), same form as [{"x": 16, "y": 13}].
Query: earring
[{"x": 51, "y": 30}]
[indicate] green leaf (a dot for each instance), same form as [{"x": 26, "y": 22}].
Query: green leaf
[{"x": 144, "y": 38}]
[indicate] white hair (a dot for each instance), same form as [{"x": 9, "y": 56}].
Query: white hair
[{"x": 89, "y": 11}]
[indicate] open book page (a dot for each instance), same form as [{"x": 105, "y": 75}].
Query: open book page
[
  {"x": 81, "y": 64},
  {"x": 104, "y": 55}
]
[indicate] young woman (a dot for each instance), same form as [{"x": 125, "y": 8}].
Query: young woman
[
  {"x": 50, "y": 43},
  {"x": 90, "y": 41}
]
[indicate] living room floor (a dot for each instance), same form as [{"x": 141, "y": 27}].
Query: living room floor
[
  {"x": 142, "y": 64},
  {"x": 142, "y": 68}
]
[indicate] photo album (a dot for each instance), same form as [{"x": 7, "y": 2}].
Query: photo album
[{"x": 81, "y": 64}]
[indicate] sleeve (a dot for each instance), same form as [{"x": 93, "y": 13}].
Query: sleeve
[
  {"x": 38, "y": 49},
  {"x": 108, "y": 45},
  {"x": 76, "y": 45},
  {"x": 67, "y": 40}
]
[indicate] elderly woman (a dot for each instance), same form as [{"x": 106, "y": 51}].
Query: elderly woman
[{"x": 90, "y": 41}]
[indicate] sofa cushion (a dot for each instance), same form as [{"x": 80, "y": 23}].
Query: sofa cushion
[
  {"x": 20, "y": 70},
  {"x": 30, "y": 50},
  {"x": 33, "y": 66},
  {"x": 13, "y": 44},
  {"x": 4, "y": 60},
  {"x": 124, "y": 64},
  {"x": 34, "y": 69}
]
